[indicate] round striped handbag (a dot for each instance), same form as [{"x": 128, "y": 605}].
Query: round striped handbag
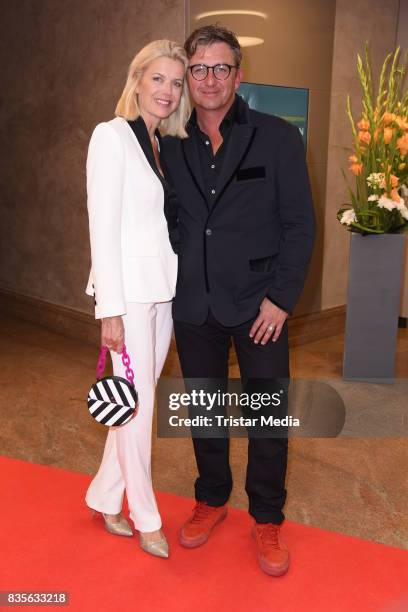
[{"x": 113, "y": 400}]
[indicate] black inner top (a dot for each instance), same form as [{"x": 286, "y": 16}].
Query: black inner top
[{"x": 211, "y": 164}]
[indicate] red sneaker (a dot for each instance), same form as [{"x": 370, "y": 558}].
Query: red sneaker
[
  {"x": 273, "y": 555},
  {"x": 198, "y": 528}
]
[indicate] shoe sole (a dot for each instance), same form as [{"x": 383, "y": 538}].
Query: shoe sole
[
  {"x": 270, "y": 571},
  {"x": 194, "y": 543}
]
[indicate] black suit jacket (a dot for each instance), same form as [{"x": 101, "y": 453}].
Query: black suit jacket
[{"x": 255, "y": 239}]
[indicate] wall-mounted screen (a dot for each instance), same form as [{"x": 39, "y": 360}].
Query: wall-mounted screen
[{"x": 290, "y": 103}]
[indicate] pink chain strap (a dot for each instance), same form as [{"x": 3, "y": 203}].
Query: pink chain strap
[
  {"x": 130, "y": 375},
  {"x": 100, "y": 367}
]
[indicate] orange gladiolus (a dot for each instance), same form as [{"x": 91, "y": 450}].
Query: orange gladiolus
[
  {"x": 402, "y": 144},
  {"x": 356, "y": 169},
  {"x": 394, "y": 180},
  {"x": 402, "y": 123},
  {"x": 364, "y": 137},
  {"x": 353, "y": 159},
  {"x": 395, "y": 195},
  {"x": 388, "y": 118},
  {"x": 363, "y": 124},
  {"x": 388, "y": 134}
]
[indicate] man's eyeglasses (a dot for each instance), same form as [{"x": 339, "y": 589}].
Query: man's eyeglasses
[{"x": 199, "y": 72}]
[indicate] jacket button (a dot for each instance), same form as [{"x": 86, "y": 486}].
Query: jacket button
[{"x": 208, "y": 232}]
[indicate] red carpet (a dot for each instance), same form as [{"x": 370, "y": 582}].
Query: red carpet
[{"x": 49, "y": 542}]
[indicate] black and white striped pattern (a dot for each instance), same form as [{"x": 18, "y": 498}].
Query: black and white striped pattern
[{"x": 112, "y": 401}]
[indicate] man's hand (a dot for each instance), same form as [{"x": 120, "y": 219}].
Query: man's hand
[
  {"x": 268, "y": 323},
  {"x": 113, "y": 333}
]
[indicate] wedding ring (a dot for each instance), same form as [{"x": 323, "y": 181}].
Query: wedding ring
[{"x": 271, "y": 328}]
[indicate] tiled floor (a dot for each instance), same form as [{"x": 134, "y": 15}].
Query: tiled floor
[{"x": 356, "y": 486}]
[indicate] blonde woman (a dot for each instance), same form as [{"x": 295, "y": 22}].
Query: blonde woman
[{"x": 134, "y": 271}]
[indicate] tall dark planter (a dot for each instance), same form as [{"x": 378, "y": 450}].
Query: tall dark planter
[{"x": 373, "y": 300}]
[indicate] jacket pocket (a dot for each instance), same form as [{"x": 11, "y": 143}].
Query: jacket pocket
[
  {"x": 263, "y": 264},
  {"x": 250, "y": 174}
]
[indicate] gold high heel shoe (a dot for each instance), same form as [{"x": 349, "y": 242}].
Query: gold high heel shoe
[
  {"x": 158, "y": 548},
  {"x": 120, "y": 527}
]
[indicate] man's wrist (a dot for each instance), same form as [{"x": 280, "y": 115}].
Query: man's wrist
[{"x": 281, "y": 306}]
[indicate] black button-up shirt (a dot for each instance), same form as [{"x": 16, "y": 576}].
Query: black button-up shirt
[{"x": 211, "y": 164}]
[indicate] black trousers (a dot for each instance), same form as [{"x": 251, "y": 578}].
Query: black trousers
[{"x": 203, "y": 351}]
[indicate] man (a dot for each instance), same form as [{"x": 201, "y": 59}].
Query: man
[{"x": 245, "y": 227}]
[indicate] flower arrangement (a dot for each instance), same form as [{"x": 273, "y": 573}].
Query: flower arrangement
[{"x": 379, "y": 160}]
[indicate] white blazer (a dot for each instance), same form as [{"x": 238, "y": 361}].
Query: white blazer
[{"x": 132, "y": 259}]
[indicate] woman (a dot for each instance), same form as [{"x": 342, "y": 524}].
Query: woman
[{"x": 133, "y": 273}]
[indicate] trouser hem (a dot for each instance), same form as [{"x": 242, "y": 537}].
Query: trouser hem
[
  {"x": 213, "y": 504},
  {"x": 106, "y": 510},
  {"x": 262, "y": 519}
]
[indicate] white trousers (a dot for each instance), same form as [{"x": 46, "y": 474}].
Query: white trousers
[{"x": 126, "y": 462}]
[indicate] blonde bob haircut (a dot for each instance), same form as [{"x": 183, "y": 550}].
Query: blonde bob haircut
[{"x": 128, "y": 106}]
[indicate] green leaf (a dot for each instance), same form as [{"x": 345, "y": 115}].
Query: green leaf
[{"x": 366, "y": 229}]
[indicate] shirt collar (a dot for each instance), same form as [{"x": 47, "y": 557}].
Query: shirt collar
[{"x": 231, "y": 116}]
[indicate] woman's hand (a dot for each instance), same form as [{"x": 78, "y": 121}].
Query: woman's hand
[{"x": 113, "y": 333}]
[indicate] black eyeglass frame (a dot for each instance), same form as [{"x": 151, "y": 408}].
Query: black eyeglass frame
[{"x": 208, "y": 68}]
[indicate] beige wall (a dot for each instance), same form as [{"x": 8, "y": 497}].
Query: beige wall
[
  {"x": 297, "y": 52},
  {"x": 356, "y": 21},
  {"x": 63, "y": 66}
]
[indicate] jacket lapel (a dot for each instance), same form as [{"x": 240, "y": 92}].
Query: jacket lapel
[
  {"x": 192, "y": 161},
  {"x": 142, "y": 135},
  {"x": 239, "y": 141}
]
